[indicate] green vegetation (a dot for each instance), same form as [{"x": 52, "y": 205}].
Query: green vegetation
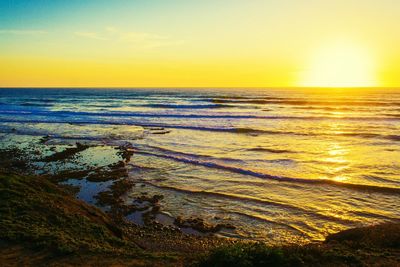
[
  {"x": 252, "y": 254},
  {"x": 36, "y": 212},
  {"x": 377, "y": 245},
  {"x": 259, "y": 254}
]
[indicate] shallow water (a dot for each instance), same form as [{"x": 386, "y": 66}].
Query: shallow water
[{"x": 276, "y": 163}]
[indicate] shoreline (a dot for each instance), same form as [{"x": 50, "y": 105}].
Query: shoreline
[
  {"x": 101, "y": 178},
  {"x": 153, "y": 243},
  {"x": 118, "y": 184}
]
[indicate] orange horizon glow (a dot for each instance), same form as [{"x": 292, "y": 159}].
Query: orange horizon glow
[{"x": 207, "y": 44}]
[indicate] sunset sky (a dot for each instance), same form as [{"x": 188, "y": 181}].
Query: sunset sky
[{"x": 207, "y": 43}]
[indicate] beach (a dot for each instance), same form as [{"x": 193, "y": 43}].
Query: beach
[
  {"x": 276, "y": 166},
  {"x": 43, "y": 223}
]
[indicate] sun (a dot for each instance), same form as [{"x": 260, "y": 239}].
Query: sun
[{"x": 340, "y": 65}]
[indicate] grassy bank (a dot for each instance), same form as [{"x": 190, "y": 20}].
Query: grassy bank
[
  {"x": 377, "y": 245},
  {"x": 39, "y": 216}
]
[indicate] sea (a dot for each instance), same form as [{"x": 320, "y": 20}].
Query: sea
[{"x": 276, "y": 163}]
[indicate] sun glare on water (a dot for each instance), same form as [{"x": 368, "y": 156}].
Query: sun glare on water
[{"x": 340, "y": 65}]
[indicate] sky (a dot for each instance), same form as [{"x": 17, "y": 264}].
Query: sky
[{"x": 207, "y": 43}]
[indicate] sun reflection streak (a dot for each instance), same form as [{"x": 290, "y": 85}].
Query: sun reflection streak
[{"x": 336, "y": 159}]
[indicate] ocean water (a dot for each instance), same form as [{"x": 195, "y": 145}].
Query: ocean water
[{"x": 276, "y": 163}]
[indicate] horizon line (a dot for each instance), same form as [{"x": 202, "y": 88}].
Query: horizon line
[{"x": 198, "y": 87}]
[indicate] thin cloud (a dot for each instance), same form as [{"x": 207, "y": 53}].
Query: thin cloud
[
  {"x": 139, "y": 39},
  {"x": 92, "y": 35},
  {"x": 22, "y": 32}
]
